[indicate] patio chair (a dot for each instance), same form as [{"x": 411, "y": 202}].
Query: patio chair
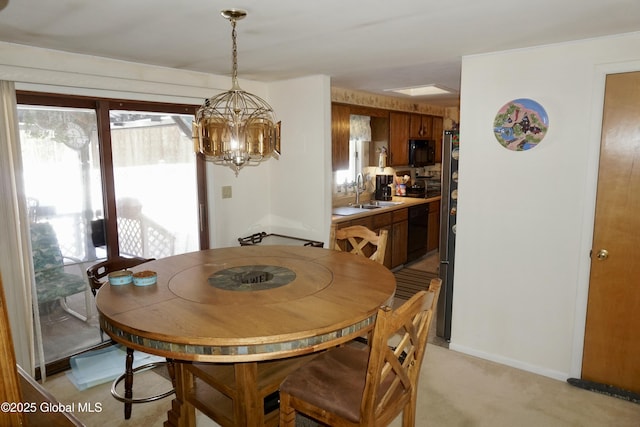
[
  {"x": 347, "y": 386},
  {"x": 53, "y": 283}
]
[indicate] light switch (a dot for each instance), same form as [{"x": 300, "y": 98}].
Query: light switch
[{"x": 226, "y": 192}]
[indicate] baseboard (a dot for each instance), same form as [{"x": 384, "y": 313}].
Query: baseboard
[{"x": 550, "y": 373}]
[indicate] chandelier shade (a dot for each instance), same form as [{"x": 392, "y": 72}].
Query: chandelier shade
[{"x": 236, "y": 128}]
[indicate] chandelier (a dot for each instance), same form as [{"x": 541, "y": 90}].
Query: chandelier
[{"x": 236, "y": 128}]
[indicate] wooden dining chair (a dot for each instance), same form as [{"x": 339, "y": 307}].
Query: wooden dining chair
[
  {"x": 96, "y": 275},
  {"x": 360, "y": 240},
  {"x": 348, "y": 386}
]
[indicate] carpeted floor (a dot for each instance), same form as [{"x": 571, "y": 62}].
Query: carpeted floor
[{"x": 455, "y": 390}]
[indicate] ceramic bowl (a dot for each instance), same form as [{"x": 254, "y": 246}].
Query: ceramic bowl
[
  {"x": 145, "y": 278},
  {"x": 118, "y": 278}
]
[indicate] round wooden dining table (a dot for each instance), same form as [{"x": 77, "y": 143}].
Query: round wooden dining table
[{"x": 236, "y": 320}]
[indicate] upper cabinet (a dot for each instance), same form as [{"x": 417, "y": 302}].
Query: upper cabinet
[
  {"x": 421, "y": 126},
  {"x": 379, "y": 138},
  {"x": 392, "y": 129},
  {"x": 340, "y": 123},
  {"x": 398, "y": 138}
]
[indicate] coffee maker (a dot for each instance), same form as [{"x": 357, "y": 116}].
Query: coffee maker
[{"x": 383, "y": 189}]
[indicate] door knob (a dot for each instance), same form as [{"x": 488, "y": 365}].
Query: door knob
[{"x": 602, "y": 254}]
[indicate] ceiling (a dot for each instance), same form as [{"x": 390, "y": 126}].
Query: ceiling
[{"x": 366, "y": 45}]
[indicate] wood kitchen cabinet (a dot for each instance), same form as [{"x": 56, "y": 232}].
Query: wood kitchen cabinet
[
  {"x": 398, "y": 138},
  {"x": 430, "y": 127},
  {"x": 433, "y": 226},
  {"x": 421, "y": 126},
  {"x": 399, "y": 235},
  {"x": 383, "y": 222},
  {"x": 340, "y": 126},
  {"x": 379, "y": 137},
  {"x": 396, "y": 224},
  {"x": 374, "y": 223},
  {"x": 395, "y": 126}
]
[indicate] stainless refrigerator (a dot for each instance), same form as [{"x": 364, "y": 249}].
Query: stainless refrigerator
[{"x": 448, "y": 214}]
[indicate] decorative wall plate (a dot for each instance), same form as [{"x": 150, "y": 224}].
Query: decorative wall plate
[{"x": 520, "y": 124}]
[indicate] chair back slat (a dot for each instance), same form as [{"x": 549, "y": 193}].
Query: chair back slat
[
  {"x": 350, "y": 385},
  {"x": 360, "y": 240},
  {"x": 398, "y": 344}
]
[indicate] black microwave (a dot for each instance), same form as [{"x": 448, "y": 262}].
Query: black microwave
[{"x": 422, "y": 152}]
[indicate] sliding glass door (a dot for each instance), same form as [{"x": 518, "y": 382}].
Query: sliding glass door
[
  {"x": 102, "y": 182},
  {"x": 62, "y": 179},
  {"x": 155, "y": 183}
]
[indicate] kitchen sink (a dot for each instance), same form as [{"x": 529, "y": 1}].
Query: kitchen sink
[
  {"x": 374, "y": 204},
  {"x": 383, "y": 204},
  {"x": 365, "y": 206},
  {"x": 362, "y": 207}
]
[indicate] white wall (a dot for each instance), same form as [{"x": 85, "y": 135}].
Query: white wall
[
  {"x": 525, "y": 219},
  {"x": 287, "y": 196},
  {"x": 301, "y": 180}
]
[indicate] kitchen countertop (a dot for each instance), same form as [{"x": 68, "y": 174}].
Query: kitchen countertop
[{"x": 406, "y": 202}]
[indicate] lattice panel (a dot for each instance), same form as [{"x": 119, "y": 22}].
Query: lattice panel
[
  {"x": 130, "y": 237},
  {"x": 158, "y": 242},
  {"x": 72, "y": 236},
  {"x": 145, "y": 238}
]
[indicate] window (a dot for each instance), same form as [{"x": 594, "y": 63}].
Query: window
[{"x": 359, "y": 142}]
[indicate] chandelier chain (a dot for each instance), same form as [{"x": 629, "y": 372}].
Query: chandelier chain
[
  {"x": 234, "y": 75},
  {"x": 236, "y": 128}
]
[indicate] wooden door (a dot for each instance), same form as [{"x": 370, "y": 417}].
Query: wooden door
[
  {"x": 612, "y": 335},
  {"x": 9, "y": 380}
]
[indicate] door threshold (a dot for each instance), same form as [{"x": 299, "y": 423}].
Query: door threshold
[{"x": 608, "y": 390}]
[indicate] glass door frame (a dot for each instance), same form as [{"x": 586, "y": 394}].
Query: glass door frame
[{"x": 102, "y": 107}]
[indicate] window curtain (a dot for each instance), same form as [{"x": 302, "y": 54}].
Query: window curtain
[{"x": 15, "y": 246}]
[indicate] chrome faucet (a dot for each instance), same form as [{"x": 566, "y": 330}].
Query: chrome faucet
[{"x": 359, "y": 187}]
